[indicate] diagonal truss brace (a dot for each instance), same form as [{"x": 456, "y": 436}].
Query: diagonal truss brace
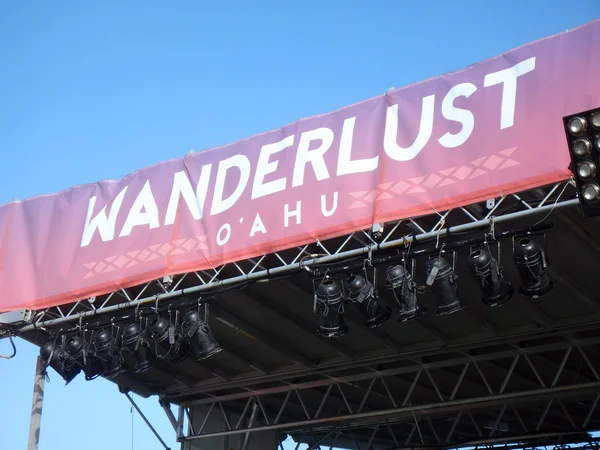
[
  {"x": 364, "y": 413},
  {"x": 134, "y": 404}
]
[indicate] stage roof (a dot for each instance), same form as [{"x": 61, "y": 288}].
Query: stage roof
[
  {"x": 489, "y": 130},
  {"x": 518, "y": 364},
  {"x": 477, "y": 156}
]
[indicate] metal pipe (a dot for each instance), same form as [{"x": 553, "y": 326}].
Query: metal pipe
[
  {"x": 317, "y": 444},
  {"x": 36, "y": 405},
  {"x": 518, "y": 441},
  {"x": 268, "y": 273},
  {"x": 180, "y": 418},
  {"x": 371, "y": 361},
  {"x": 356, "y": 264},
  {"x": 250, "y": 423},
  {"x": 409, "y": 409},
  {"x": 146, "y": 420},
  {"x": 167, "y": 409}
]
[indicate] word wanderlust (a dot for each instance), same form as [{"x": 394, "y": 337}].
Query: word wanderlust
[{"x": 292, "y": 161}]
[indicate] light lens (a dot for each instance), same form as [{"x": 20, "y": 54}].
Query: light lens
[
  {"x": 577, "y": 126},
  {"x": 586, "y": 170},
  {"x": 595, "y": 120},
  {"x": 590, "y": 193},
  {"x": 582, "y": 147}
]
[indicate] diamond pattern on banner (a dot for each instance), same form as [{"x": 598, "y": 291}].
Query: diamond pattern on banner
[
  {"x": 432, "y": 180},
  {"x": 462, "y": 172},
  {"x": 509, "y": 151},
  {"x": 492, "y": 162},
  {"x": 476, "y": 168},
  {"x": 478, "y": 161},
  {"x": 136, "y": 257},
  {"x": 400, "y": 187}
]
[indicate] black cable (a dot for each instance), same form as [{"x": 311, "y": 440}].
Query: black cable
[{"x": 14, "y": 349}]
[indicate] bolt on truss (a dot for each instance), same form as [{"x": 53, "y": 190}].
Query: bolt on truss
[
  {"x": 528, "y": 393},
  {"x": 531, "y": 204}
]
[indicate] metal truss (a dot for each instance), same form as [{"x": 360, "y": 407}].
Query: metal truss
[
  {"x": 524, "y": 395},
  {"x": 528, "y": 205}
]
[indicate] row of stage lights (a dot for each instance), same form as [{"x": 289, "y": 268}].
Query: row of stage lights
[
  {"x": 332, "y": 294},
  {"x": 102, "y": 352}
]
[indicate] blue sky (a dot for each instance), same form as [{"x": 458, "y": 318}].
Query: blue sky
[{"x": 95, "y": 91}]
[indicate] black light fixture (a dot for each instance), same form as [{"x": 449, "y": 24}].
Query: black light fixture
[
  {"x": 401, "y": 282},
  {"x": 134, "y": 342},
  {"x": 530, "y": 260},
  {"x": 441, "y": 280},
  {"x": 583, "y": 137},
  {"x": 329, "y": 306},
  {"x": 105, "y": 348},
  {"x": 80, "y": 353},
  {"x": 171, "y": 344},
  {"x": 487, "y": 270},
  {"x": 361, "y": 293},
  {"x": 195, "y": 329},
  {"x": 53, "y": 355}
]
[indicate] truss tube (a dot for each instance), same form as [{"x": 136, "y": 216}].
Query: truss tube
[
  {"x": 480, "y": 401},
  {"x": 394, "y": 358},
  {"x": 300, "y": 265},
  {"x": 463, "y": 361},
  {"x": 521, "y": 438}
]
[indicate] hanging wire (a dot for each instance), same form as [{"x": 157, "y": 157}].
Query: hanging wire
[
  {"x": 12, "y": 343},
  {"x": 555, "y": 202},
  {"x": 132, "y": 414}
]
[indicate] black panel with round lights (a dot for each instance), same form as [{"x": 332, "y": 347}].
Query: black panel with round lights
[{"x": 583, "y": 137}]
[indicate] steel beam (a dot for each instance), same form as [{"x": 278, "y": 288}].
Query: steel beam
[
  {"x": 367, "y": 375},
  {"x": 316, "y": 419},
  {"x": 472, "y": 402}
]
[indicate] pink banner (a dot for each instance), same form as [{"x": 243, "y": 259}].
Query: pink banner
[{"x": 456, "y": 139}]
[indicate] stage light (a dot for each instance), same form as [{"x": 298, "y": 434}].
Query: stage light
[
  {"x": 330, "y": 309},
  {"x": 105, "y": 349},
  {"x": 582, "y": 147},
  {"x": 53, "y": 356},
  {"x": 170, "y": 342},
  {"x": 590, "y": 192},
  {"x": 577, "y": 125},
  {"x": 530, "y": 260},
  {"x": 583, "y": 137},
  {"x": 485, "y": 268},
  {"x": 134, "y": 342},
  {"x": 362, "y": 294},
  {"x": 196, "y": 331},
  {"x": 442, "y": 282},
  {"x": 401, "y": 283},
  {"x": 586, "y": 170},
  {"x": 80, "y": 353}
]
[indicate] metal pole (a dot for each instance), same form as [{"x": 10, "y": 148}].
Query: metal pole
[
  {"x": 36, "y": 405},
  {"x": 146, "y": 420},
  {"x": 264, "y": 274},
  {"x": 250, "y": 423}
]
